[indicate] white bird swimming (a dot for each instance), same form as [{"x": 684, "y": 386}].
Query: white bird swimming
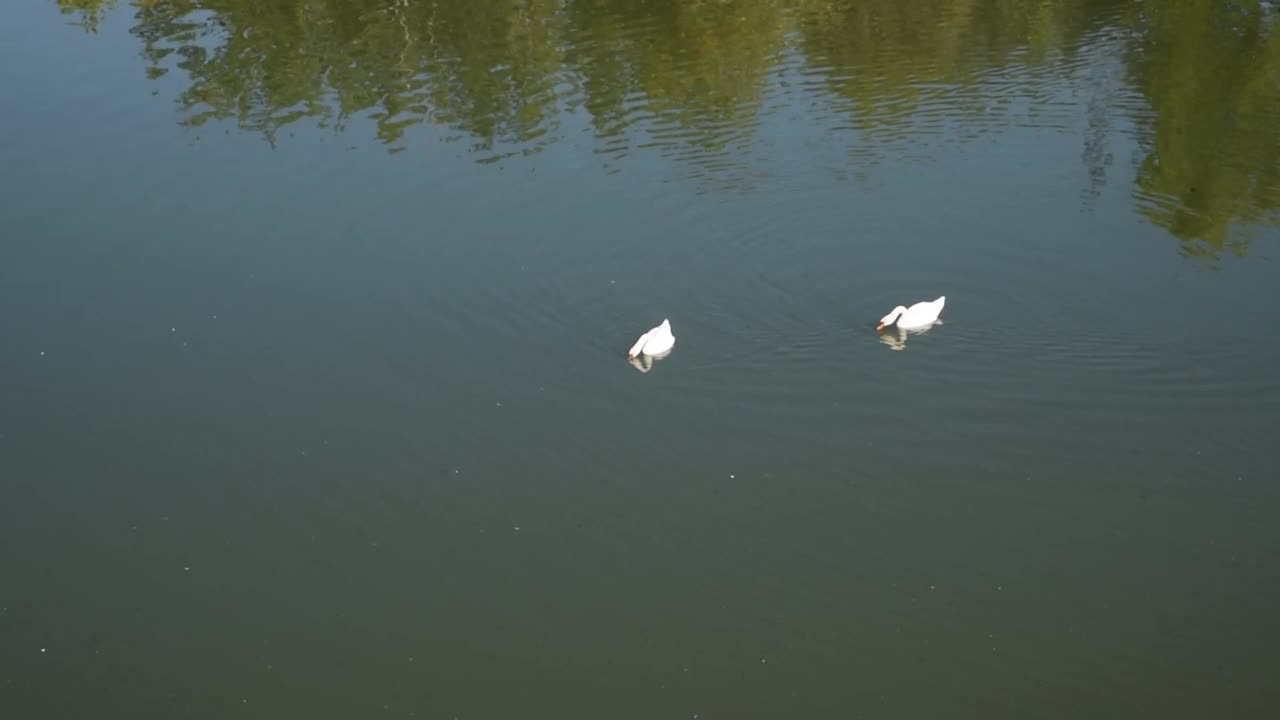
[
  {"x": 655, "y": 342},
  {"x": 918, "y": 315}
]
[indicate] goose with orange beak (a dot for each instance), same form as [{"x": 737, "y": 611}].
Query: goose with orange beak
[{"x": 916, "y": 316}]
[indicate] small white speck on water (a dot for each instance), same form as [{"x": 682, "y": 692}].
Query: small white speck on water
[
  {"x": 215, "y": 317},
  {"x": 498, "y": 404},
  {"x": 515, "y": 527},
  {"x": 41, "y": 649},
  {"x": 173, "y": 329},
  {"x": 933, "y": 587},
  {"x": 186, "y": 569},
  {"x": 41, "y": 353},
  {"x": 761, "y": 661},
  {"x": 731, "y": 476}
]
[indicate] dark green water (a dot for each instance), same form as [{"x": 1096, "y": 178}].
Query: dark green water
[{"x": 314, "y": 400}]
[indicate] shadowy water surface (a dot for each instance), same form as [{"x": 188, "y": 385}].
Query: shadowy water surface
[{"x": 315, "y": 399}]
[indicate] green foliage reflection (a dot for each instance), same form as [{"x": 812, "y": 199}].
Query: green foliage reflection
[{"x": 694, "y": 78}]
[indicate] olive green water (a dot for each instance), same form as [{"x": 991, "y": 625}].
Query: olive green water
[{"x": 314, "y": 398}]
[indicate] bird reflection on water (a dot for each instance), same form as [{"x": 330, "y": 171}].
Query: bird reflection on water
[
  {"x": 644, "y": 362},
  {"x": 896, "y": 337}
]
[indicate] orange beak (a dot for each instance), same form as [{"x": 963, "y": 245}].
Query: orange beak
[{"x": 879, "y": 327}]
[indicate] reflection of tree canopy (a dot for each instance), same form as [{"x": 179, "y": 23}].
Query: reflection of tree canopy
[
  {"x": 486, "y": 67},
  {"x": 1211, "y": 72},
  {"x": 903, "y": 72},
  {"x": 878, "y": 51},
  {"x": 697, "y": 70},
  {"x": 89, "y": 12},
  {"x": 690, "y": 78}
]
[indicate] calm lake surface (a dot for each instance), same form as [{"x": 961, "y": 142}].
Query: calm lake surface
[{"x": 314, "y": 397}]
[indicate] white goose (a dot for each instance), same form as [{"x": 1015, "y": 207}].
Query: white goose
[
  {"x": 918, "y": 315},
  {"x": 655, "y": 342}
]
